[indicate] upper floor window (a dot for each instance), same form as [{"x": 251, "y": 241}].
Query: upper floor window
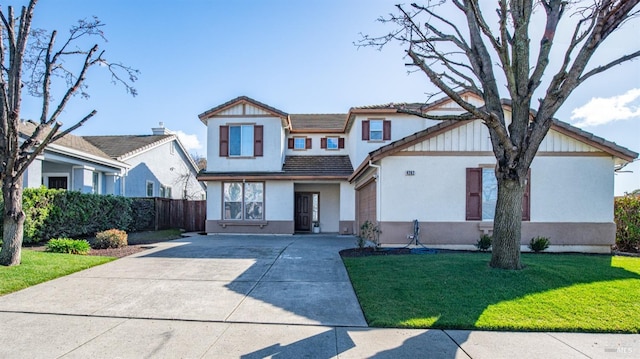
[
  {"x": 241, "y": 140},
  {"x": 299, "y": 143},
  {"x": 376, "y": 130},
  {"x": 332, "y": 143}
]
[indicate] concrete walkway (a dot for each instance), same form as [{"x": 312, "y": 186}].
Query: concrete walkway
[{"x": 247, "y": 297}]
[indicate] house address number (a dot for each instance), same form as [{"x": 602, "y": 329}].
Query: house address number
[{"x": 411, "y": 173}]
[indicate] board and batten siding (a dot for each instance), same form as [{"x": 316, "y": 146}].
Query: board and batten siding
[{"x": 244, "y": 109}]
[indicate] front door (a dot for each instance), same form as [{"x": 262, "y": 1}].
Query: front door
[{"x": 303, "y": 212}]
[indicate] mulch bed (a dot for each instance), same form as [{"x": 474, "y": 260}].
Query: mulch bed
[{"x": 371, "y": 251}]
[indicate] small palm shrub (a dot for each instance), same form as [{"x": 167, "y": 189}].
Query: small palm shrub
[
  {"x": 539, "y": 244},
  {"x": 111, "y": 238},
  {"x": 484, "y": 243},
  {"x": 68, "y": 245}
]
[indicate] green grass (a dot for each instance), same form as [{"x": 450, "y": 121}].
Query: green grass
[
  {"x": 459, "y": 291},
  {"x": 38, "y": 267}
]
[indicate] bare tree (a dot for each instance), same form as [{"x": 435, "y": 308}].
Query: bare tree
[
  {"x": 461, "y": 56},
  {"x": 31, "y": 60}
]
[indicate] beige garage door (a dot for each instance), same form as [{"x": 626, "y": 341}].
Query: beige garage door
[{"x": 366, "y": 204}]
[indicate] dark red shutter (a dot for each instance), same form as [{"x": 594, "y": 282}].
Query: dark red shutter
[
  {"x": 474, "y": 194},
  {"x": 323, "y": 142},
  {"x": 290, "y": 143},
  {"x": 340, "y": 142},
  {"x": 258, "y": 134},
  {"x": 307, "y": 143},
  {"x": 386, "y": 130},
  {"x": 526, "y": 199},
  {"x": 224, "y": 141},
  {"x": 365, "y": 130}
]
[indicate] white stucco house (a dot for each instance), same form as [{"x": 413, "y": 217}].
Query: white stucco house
[
  {"x": 155, "y": 165},
  {"x": 276, "y": 173}
]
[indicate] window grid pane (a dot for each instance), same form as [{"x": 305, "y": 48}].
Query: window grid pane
[
  {"x": 299, "y": 143},
  {"x": 375, "y": 130},
  {"x": 332, "y": 143},
  {"x": 247, "y": 141}
]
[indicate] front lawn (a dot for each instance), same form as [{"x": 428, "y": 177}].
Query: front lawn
[
  {"x": 555, "y": 292},
  {"x": 38, "y": 267}
]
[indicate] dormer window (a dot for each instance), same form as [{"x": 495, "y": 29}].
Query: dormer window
[
  {"x": 299, "y": 143},
  {"x": 375, "y": 129},
  {"x": 332, "y": 143}
]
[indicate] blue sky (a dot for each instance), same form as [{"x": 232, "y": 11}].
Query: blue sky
[{"x": 297, "y": 56}]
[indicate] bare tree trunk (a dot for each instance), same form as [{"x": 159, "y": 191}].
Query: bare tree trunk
[
  {"x": 506, "y": 225},
  {"x": 13, "y": 224}
]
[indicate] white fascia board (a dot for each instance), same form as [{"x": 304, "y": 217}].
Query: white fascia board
[{"x": 83, "y": 155}]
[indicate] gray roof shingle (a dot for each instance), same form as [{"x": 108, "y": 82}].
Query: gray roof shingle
[
  {"x": 324, "y": 121},
  {"x": 121, "y": 146},
  {"x": 318, "y": 166}
]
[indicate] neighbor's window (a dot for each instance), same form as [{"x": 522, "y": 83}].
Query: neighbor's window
[
  {"x": 96, "y": 183},
  {"x": 332, "y": 143},
  {"x": 375, "y": 130},
  {"x": 165, "y": 191},
  {"x": 241, "y": 140},
  {"x": 244, "y": 201},
  {"x": 149, "y": 189},
  {"x": 299, "y": 143}
]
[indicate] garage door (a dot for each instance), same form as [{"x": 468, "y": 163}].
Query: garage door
[{"x": 366, "y": 204}]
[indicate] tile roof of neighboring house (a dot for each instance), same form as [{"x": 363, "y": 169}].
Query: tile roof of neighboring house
[
  {"x": 326, "y": 122},
  {"x": 241, "y": 99},
  {"x": 70, "y": 141},
  {"x": 295, "y": 167},
  {"x": 123, "y": 146}
]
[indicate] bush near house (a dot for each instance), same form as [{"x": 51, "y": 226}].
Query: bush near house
[
  {"x": 54, "y": 213},
  {"x": 68, "y": 245},
  {"x": 112, "y": 238},
  {"x": 627, "y": 217}
]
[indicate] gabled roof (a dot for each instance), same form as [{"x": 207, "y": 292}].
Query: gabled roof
[
  {"x": 241, "y": 100},
  {"x": 559, "y": 126},
  {"x": 123, "y": 146},
  {"x": 70, "y": 141},
  {"x": 295, "y": 167},
  {"x": 326, "y": 122}
]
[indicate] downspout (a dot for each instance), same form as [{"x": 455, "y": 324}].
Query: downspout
[{"x": 378, "y": 178}]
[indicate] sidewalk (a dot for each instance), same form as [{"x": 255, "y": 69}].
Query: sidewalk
[{"x": 246, "y": 297}]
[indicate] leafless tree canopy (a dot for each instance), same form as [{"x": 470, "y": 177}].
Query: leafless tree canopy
[{"x": 32, "y": 60}]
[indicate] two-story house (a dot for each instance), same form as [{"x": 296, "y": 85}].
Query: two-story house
[{"x": 276, "y": 173}]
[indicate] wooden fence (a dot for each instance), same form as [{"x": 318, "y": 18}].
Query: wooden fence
[{"x": 180, "y": 213}]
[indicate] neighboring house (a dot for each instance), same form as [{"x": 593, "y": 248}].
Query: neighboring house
[
  {"x": 271, "y": 172},
  {"x": 129, "y": 165}
]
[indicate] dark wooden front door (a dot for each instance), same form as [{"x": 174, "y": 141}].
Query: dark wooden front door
[
  {"x": 57, "y": 183},
  {"x": 303, "y": 212}
]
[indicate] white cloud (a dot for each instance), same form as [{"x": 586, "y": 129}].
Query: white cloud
[
  {"x": 190, "y": 142},
  {"x": 599, "y": 110}
]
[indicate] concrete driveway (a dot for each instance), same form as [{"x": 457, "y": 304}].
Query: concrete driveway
[{"x": 238, "y": 279}]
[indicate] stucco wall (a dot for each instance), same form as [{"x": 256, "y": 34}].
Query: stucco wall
[
  {"x": 563, "y": 189},
  {"x": 272, "y": 146}
]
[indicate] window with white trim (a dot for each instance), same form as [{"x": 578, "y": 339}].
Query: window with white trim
[
  {"x": 150, "y": 189},
  {"x": 241, "y": 140},
  {"x": 375, "y": 130},
  {"x": 243, "y": 201},
  {"x": 332, "y": 143},
  {"x": 299, "y": 143}
]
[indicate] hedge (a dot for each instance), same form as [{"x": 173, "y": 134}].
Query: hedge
[
  {"x": 627, "y": 217},
  {"x": 54, "y": 213}
]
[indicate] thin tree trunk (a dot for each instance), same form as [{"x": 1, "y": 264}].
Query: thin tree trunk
[
  {"x": 13, "y": 224},
  {"x": 506, "y": 226}
]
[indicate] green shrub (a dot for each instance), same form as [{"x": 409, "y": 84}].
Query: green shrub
[
  {"x": 68, "y": 245},
  {"x": 484, "y": 243},
  {"x": 368, "y": 232},
  {"x": 539, "y": 244},
  {"x": 112, "y": 238},
  {"x": 51, "y": 213},
  {"x": 627, "y": 218},
  {"x": 143, "y": 214}
]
